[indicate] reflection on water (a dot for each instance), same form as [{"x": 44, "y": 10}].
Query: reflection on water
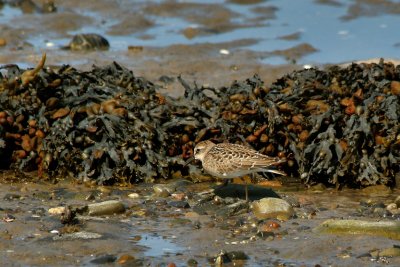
[{"x": 158, "y": 245}]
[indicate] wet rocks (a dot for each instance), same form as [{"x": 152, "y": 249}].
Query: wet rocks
[
  {"x": 389, "y": 229},
  {"x": 179, "y": 204},
  {"x": 272, "y": 208},
  {"x": 56, "y": 210},
  {"x": 109, "y": 207},
  {"x": 162, "y": 190},
  {"x": 88, "y": 41},
  {"x": 228, "y": 257},
  {"x": 239, "y": 207},
  {"x": 377, "y": 190},
  {"x": 387, "y": 252},
  {"x": 12, "y": 196},
  {"x": 134, "y": 195},
  {"x": 105, "y": 259},
  {"x": 77, "y": 235},
  {"x": 68, "y": 216},
  {"x": 3, "y": 42},
  {"x": 126, "y": 259}
]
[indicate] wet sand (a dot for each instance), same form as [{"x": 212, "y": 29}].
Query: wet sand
[
  {"x": 149, "y": 221},
  {"x": 155, "y": 231}
]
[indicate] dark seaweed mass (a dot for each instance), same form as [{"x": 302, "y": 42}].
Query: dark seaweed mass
[{"x": 339, "y": 126}]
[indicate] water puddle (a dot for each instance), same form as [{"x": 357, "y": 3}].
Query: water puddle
[
  {"x": 159, "y": 245},
  {"x": 8, "y": 13}
]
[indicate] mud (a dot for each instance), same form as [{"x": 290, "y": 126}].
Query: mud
[{"x": 155, "y": 230}]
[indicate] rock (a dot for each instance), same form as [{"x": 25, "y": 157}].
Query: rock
[
  {"x": 134, "y": 195},
  {"x": 268, "y": 208},
  {"x": 12, "y": 196},
  {"x": 220, "y": 260},
  {"x": 162, "y": 190},
  {"x": 8, "y": 217},
  {"x": 389, "y": 229},
  {"x": 388, "y": 252},
  {"x": 237, "y": 255},
  {"x": 125, "y": 259},
  {"x": 381, "y": 212},
  {"x": 179, "y": 184},
  {"x": 192, "y": 263},
  {"x": 377, "y": 190},
  {"x": 104, "y": 259},
  {"x": 56, "y": 210},
  {"x": 391, "y": 206},
  {"x": 397, "y": 201},
  {"x": 236, "y": 208},
  {"x": 227, "y": 257},
  {"x": 190, "y": 32},
  {"x": 68, "y": 216},
  {"x": 78, "y": 235},
  {"x": 179, "y": 196},
  {"x": 269, "y": 226},
  {"x": 179, "y": 204},
  {"x": 318, "y": 188},
  {"x": 165, "y": 190},
  {"x": 303, "y": 228},
  {"x": 88, "y": 41},
  {"x": 266, "y": 235},
  {"x": 106, "y": 208}
]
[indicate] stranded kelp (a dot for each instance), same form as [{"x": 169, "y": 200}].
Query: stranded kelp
[
  {"x": 337, "y": 126},
  {"x": 343, "y": 123},
  {"x": 100, "y": 124}
]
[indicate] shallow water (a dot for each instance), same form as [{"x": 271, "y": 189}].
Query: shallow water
[
  {"x": 158, "y": 246},
  {"x": 340, "y": 30}
]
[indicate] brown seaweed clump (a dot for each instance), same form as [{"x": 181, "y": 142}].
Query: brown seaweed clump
[
  {"x": 343, "y": 123},
  {"x": 98, "y": 125},
  {"x": 339, "y": 126}
]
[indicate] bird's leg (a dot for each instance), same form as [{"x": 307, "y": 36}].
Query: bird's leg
[
  {"x": 226, "y": 182},
  {"x": 246, "y": 189}
]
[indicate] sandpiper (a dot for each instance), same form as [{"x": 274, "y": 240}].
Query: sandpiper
[{"x": 228, "y": 161}]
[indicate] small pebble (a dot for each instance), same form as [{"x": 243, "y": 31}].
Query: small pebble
[
  {"x": 134, "y": 195},
  {"x": 56, "y": 211}
]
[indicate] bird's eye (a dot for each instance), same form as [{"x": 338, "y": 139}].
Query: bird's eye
[{"x": 197, "y": 150}]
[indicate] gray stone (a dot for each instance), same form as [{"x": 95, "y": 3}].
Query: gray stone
[
  {"x": 106, "y": 208},
  {"x": 388, "y": 252},
  {"x": 163, "y": 190},
  {"x": 179, "y": 204},
  {"x": 266, "y": 208},
  {"x": 78, "y": 235},
  {"x": 389, "y": 229},
  {"x": 105, "y": 259},
  {"x": 377, "y": 190}
]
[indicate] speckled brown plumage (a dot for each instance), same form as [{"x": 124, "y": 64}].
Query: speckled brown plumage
[{"x": 231, "y": 160}]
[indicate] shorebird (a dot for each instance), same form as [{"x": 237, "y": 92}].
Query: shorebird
[{"x": 227, "y": 161}]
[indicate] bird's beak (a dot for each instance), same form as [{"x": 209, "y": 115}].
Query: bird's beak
[{"x": 189, "y": 161}]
